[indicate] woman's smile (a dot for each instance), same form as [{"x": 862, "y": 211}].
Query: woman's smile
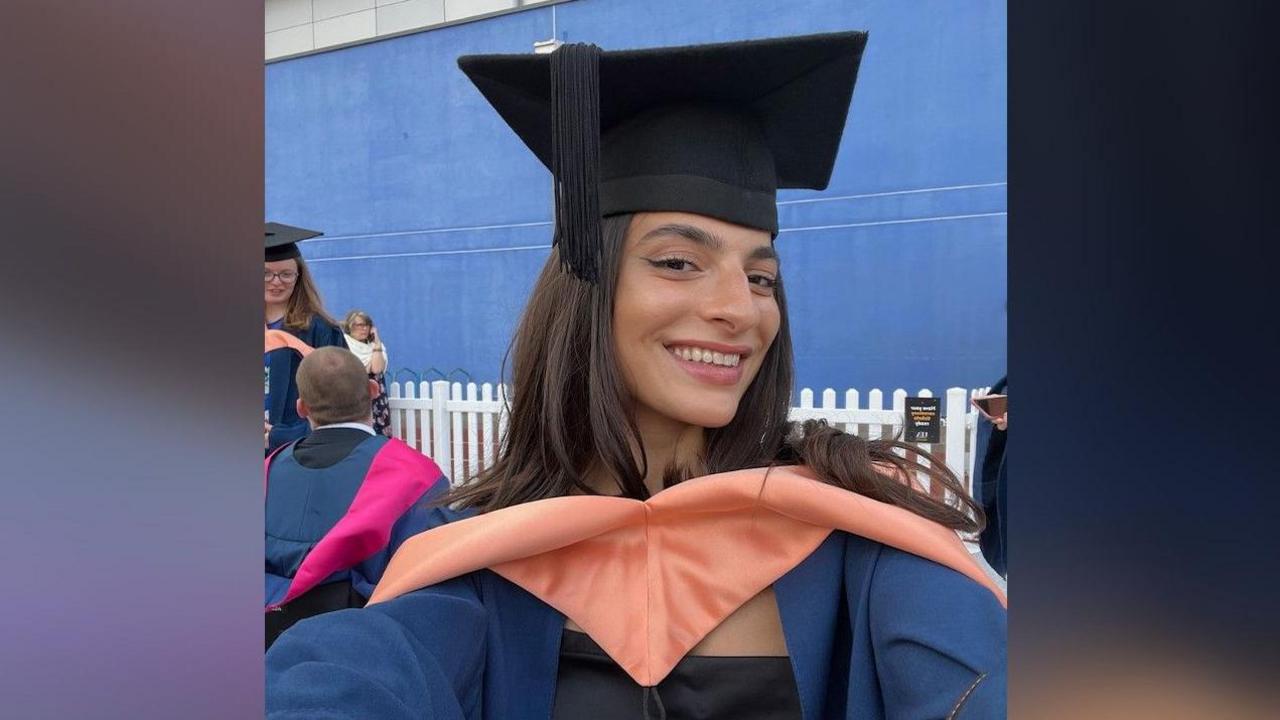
[
  {"x": 710, "y": 362},
  {"x": 694, "y": 315}
]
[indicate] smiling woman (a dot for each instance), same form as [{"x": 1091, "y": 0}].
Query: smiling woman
[
  {"x": 694, "y": 316},
  {"x": 655, "y": 536},
  {"x": 292, "y": 305},
  {"x": 618, "y": 389}
]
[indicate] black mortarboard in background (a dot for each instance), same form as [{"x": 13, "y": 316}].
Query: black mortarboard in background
[
  {"x": 708, "y": 129},
  {"x": 282, "y": 239}
]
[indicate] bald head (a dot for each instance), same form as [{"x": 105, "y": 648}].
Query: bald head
[{"x": 334, "y": 387}]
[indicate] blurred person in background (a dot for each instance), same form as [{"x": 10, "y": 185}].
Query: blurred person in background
[
  {"x": 992, "y": 472},
  {"x": 293, "y": 306},
  {"x": 340, "y": 501},
  {"x": 363, "y": 340}
]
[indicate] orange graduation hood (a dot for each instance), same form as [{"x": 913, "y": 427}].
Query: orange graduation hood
[
  {"x": 648, "y": 580},
  {"x": 278, "y": 339}
]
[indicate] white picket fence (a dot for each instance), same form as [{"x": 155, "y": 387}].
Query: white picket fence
[{"x": 460, "y": 426}]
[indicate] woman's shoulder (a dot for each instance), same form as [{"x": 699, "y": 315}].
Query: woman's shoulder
[
  {"x": 443, "y": 515},
  {"x": 319, "y": 322},
  {"x": 900, "y": 576},
  {"x": 323, "y": 332}
]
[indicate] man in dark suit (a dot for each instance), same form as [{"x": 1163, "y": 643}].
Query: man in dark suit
[{"x": 341, "y": 500}]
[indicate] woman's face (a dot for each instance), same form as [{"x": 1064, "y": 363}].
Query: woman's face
[
  {"x": 694, "y": 315},
  {"x": 360, "y": 329},
  {"x": 280, "y": 286}
]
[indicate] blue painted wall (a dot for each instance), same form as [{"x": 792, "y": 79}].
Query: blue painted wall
[{"x": 437, "y": 219}]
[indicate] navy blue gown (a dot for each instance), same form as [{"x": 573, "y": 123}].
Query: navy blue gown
[
  {"x": 339, "y": 504},
  {"x": 282, "y": 386},
  {"x": 872, "y": 632}
]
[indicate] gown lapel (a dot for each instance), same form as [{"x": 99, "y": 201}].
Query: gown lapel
[
  {"x": 524, "y": 646},
  {"x": 808, "y": 600}
]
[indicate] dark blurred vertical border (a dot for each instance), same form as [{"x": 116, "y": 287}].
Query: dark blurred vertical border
[
  {"x": 131, "y": 188},
  {"x": 1142, "y": 317}
]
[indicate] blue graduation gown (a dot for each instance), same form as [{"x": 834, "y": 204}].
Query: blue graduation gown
[
  {"x": 303, "y": 505},
  {"x": 481, "y": 648},
  {"x": 282, "y": 395},
  {"x": 992, "y": 476}
]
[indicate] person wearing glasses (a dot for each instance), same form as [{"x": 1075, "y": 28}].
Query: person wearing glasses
[
  {"x": 655, "y": 538},
  {"x": 363, "y": 340},
  {"x": 293, "y": 306}
]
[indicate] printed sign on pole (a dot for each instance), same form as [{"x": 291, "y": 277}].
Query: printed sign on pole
[{"x": 923, "y": 421}]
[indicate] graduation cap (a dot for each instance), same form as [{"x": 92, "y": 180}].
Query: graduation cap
[
  {"x": 282, "y": 240},
  {"x": 713, "y": 129}
]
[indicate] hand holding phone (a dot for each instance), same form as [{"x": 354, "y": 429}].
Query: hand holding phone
[{"x": 992, "y": 407}]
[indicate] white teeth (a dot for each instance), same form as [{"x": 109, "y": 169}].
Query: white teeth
[{"x": 707, "y": 356}]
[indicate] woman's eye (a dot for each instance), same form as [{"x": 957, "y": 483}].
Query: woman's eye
[
  {"x": 672, "y": 263},
  {"x": 763, "y": 281}
]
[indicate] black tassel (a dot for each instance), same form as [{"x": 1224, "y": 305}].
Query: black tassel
[{"x": 575, "y": 156}]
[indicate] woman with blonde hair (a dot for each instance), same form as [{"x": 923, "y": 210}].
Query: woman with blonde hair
[
  {"x": 363, "y": 340},
  {"x": 293, "y": 306}
]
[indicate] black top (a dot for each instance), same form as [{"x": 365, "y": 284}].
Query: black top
[{"x": 591, "y": 685}]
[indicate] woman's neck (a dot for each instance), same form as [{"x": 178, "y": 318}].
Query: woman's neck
[
  {"x": 666, "y": 442},
  {"x": 275, "y": 311}
]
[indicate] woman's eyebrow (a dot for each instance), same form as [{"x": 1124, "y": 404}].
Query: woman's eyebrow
[
  {"x": 705, "y": 239},
  {"x": 689, "y": 232}
]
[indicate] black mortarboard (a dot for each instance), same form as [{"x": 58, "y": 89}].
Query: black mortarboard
[
  {"x": 282, "y": 239},
  {"x": 708, "y": 129}
]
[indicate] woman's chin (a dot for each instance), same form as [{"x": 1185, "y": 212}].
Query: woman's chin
[{"x": 707, "y": 418}]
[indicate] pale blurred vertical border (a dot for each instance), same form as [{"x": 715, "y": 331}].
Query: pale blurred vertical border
[{"x": 130, "y": 521}]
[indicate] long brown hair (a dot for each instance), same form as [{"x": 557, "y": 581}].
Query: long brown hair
[
  {"x": 569, "y": 415},
  {"x": 304, "y": 303}
]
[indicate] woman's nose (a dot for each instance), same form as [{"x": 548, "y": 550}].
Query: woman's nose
[{"x": 731, "y": 302}]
